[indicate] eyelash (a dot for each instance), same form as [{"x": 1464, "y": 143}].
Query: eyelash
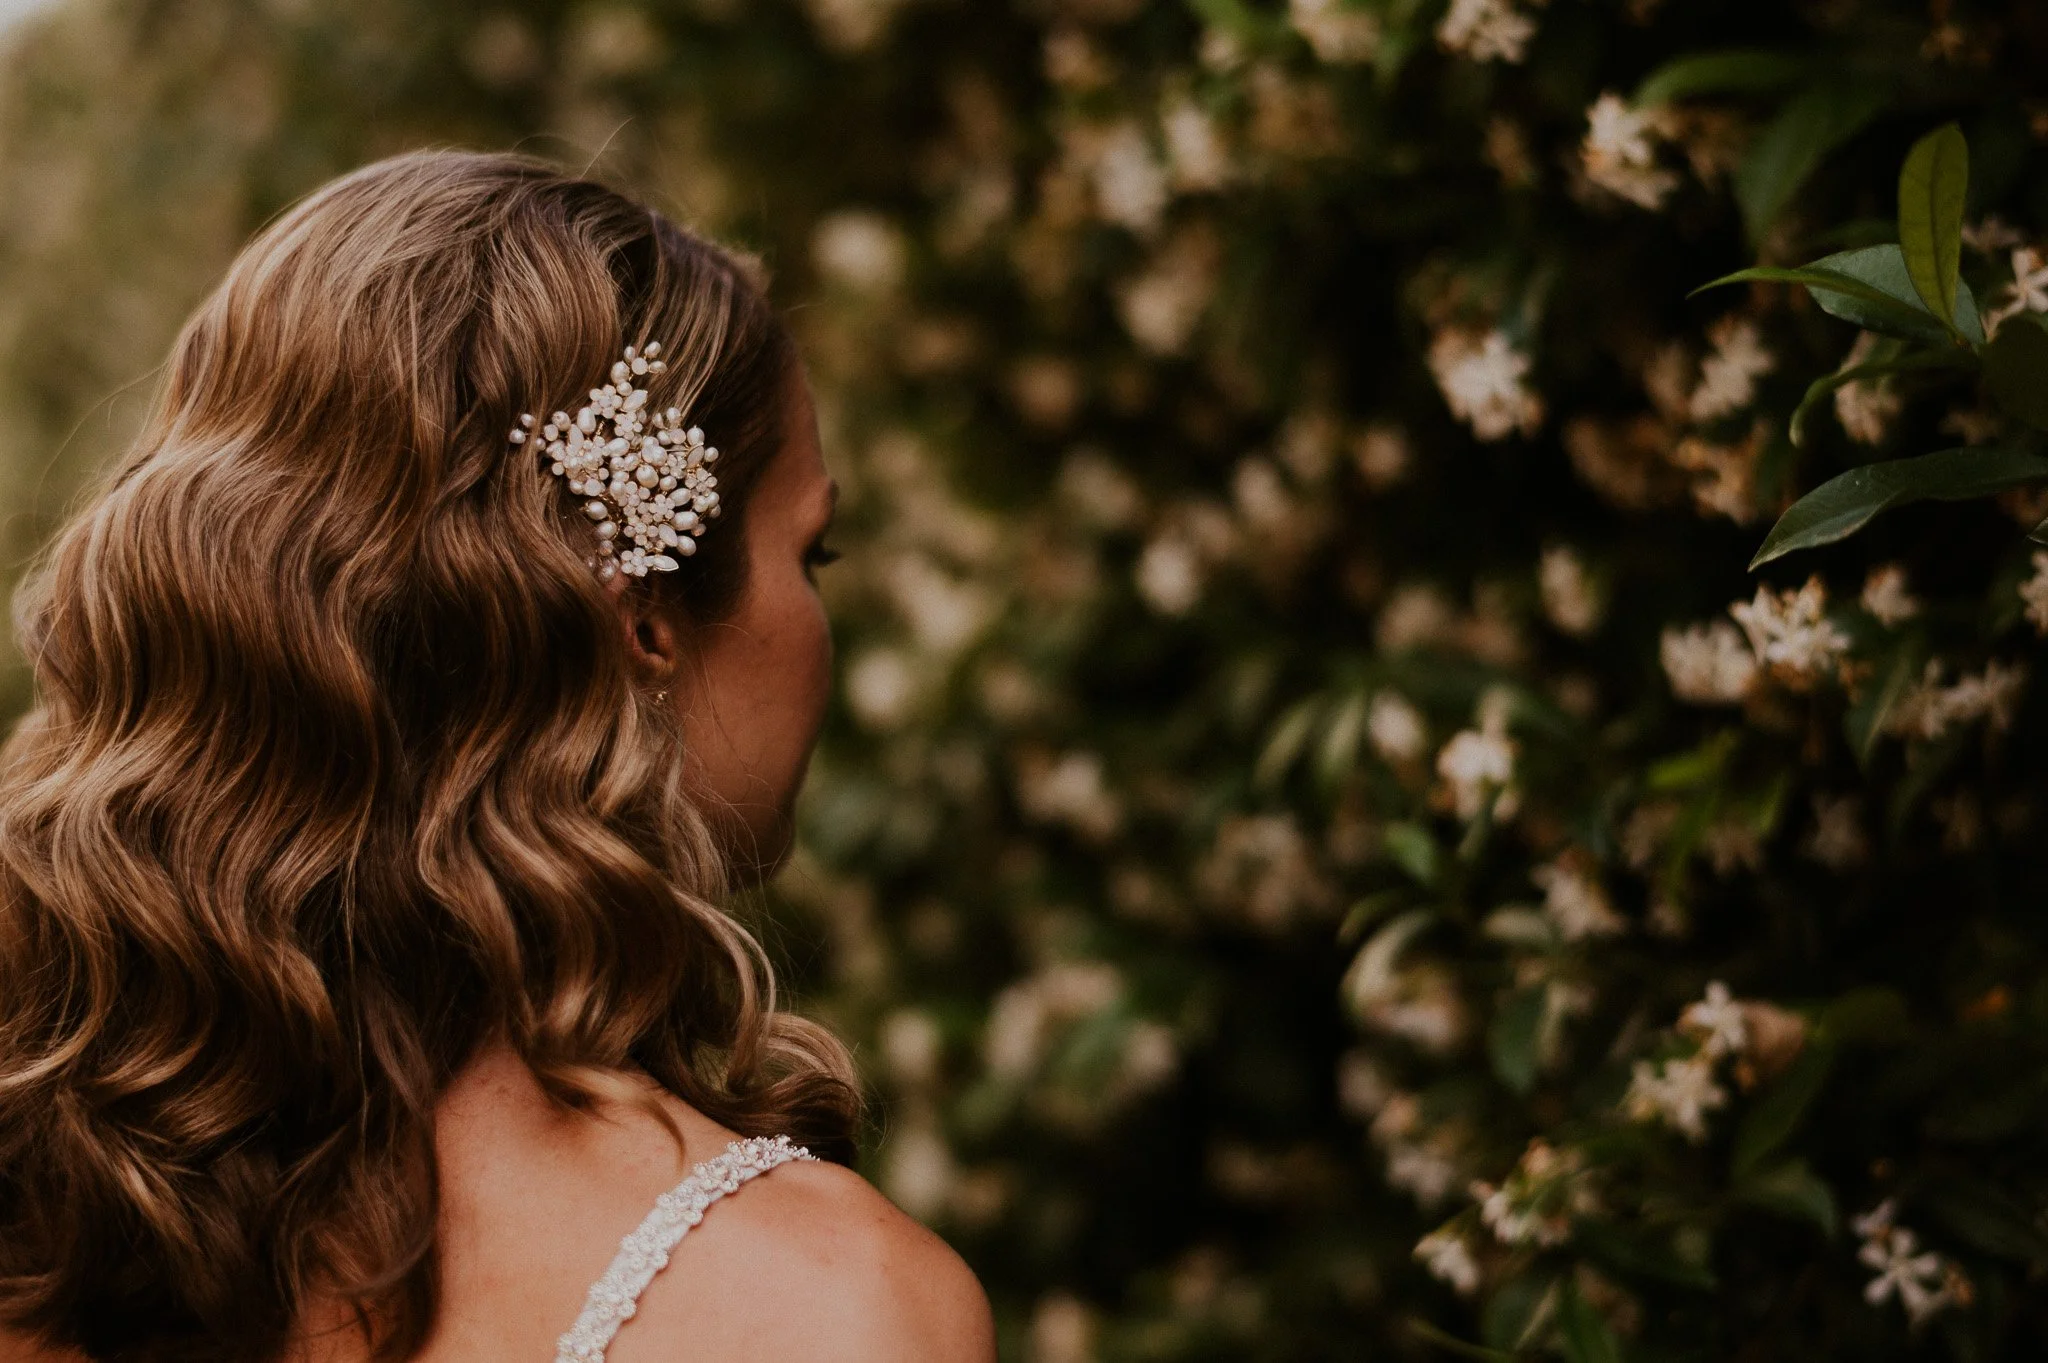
[{"x": 820, "y": 557}]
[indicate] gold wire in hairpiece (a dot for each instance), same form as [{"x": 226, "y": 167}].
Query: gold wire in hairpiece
[{"x": 648, "y": 477}]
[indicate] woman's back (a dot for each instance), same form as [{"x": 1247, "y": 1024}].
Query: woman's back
[{"x": 806, "y": 1261}]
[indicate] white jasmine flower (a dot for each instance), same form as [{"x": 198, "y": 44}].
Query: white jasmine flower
[
  {"x": 1416, "y": 615},
  {"x": 1062, "y": 1331},
  {"x": 1569, "y": 598},
  {"x": 881, "y": 686},
  {"x": 1423, "y": 1171},
  {"x": 1478, "y": 766},
  {"x": 1789, "y": 633},
  {"x": 1340, "y": 32},
  {"x": 1867, "y": 408},
  {"x": 1728, "y": 375},
  {"x": 859, "y": 249},
  {"x": 1395, "y": 727},
  {"x": 1678, "y": 1093},
  {"x": 1069, "y": 790},
  {"x": 1618, "y": 155},
  {"x": 1483, "y": 382},
  {"x": 1837, "y": 841},
  {"x": 918, "y": 1169},
  {"x": 1885, "y": 596},
  {"x": 1717, "y": 1020},
  {"x": 1708, "y": 664},
  {"x": 1169, "y": 575},
  {"x": 1161, "y": 306},
  {"x": 1930, "y": 709},
  {"x": 1261, "y": 867},
  {"x": 1574, "y": 902},
  {"x": 1446, "y": 1255},
  {"x": 1486, "y": 30},
  {"x": 1924, "y": 1283},
  {"x": 2034, "y": 593},
  {"x": 1130, "y": 182},
  {"x": 1989, "y": 237},
  {"x": 1382, "y": 455},
  {"x": 2028, "y": 291},
  {"x": 1196, "y": 156}
]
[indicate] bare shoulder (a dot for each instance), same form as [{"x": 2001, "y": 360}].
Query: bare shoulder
[{"x": 845, "y": 1275}]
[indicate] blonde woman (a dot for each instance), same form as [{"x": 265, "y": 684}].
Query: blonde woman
[{"x": 407, "y": 703}]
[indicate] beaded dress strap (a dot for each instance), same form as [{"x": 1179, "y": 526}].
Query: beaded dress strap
[{"x": 644, "y": 1253}]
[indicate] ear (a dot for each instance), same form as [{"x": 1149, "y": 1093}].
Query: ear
[{"x": 653, "y": 643}]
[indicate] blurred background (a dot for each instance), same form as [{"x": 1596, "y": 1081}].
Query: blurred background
[{"x": 1312, "y": 864}]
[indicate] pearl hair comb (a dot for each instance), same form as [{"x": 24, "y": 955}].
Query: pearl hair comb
[{"x": 648, "y": 478}]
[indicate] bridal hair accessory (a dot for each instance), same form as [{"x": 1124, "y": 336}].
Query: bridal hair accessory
[{"x": 648, "y": 478}]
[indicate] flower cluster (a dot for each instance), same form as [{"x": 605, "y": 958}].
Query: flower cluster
[{"x": 648, "y": 477}]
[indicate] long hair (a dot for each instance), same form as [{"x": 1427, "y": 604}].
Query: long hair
[{"x": 336, "y": 770}]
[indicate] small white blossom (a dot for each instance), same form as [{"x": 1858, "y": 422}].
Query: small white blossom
[
  {"x": 1130, "y": 182},
  {"x": 1169, "y": 575},
  {"x": 1618, "y": 155},
  {"x": 1477, "y": 765},
  {"x": 1885, "y": 596},
  {"x": 1931, "y": 708},
  {"x": 1574, "y": 901},
  {"x": 1196, "y": 156},
  {"x": 2034, "y": 593},
  {"x": 1446, "y": 1255},
  {"x": 1924, "y": 1283},
  {"x": 1678, "y": 1093},
  {"x": 859, "y": 249},
  {"x": 1717, "y": 1021},
  {"x": 2029, "y": 291},
  {"x": 1708, "y": 664},
  {"x": 1837, "y": 841},
  {"x": 1483, "y": 381},
  {"x": 1570, "y": 600},
  {"x": 1339, "y": 31},
  {"x": 1989, "y": 237},
  {"x": 1486, "y": 30},
  {"x": 1382, "y": 455},
  {"x": 1395, "y": 727},
  {"x": 1790, "y": 634},
  {"x": 1728, "y": 375}
]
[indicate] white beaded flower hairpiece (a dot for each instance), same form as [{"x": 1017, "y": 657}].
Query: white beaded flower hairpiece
[{"x": 647, "y": 477}]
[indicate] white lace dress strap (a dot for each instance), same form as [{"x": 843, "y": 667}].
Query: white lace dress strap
[{"x": 644, "y": 1253}]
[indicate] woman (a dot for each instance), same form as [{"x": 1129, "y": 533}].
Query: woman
[{"x": 407, "y": 704}]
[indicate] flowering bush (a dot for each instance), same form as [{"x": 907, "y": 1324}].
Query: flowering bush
[{"x": 1327, "y": 849}]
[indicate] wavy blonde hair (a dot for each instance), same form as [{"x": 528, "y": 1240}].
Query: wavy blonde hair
[{"x": 336, "y": 770}]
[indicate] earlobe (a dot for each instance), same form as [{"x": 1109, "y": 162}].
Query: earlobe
[{"x": 653, "y": 643}]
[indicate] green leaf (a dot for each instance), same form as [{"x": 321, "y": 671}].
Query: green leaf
[
  {"x": 1511, "y": 1040},
  {"x": 1638, "y": 1256},
  {"x": 1986, "y": 1217},
  {"x": 1736, "y": 71},
  {"x": 1777, "y": 1115},
  {"x": 2016, "y": 369},
  {"x": 1863, "y": 725},
  {"x": 1585, "y": 1334},
  {"x": 1410, "y": 847},
  {"x": 1824, "y": 387},
  {"x": 1791, "y": 1189},
  {"x": 1338, "y": 752},
  {"x": 1430, "y": 1334},
  {"x": 1812, "y": 124},
  {"x": 1846, "y": 503},
  {"x": 1285, "y": 745},
  {"x": 1932, "y": 186},
  {"x": 1871, "y": 1013},
  {"x": 1883, "y": 268}
]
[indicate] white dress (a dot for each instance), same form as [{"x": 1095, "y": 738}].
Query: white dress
[{"x": 645, "y": 1252}]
